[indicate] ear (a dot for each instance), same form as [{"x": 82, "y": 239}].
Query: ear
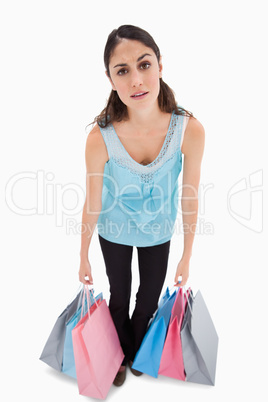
[
  {"x": 111, "y": 82},
  {"x": 160, "y": 67}
]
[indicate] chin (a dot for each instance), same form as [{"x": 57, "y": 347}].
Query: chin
[{"x": 143, "y": 104}]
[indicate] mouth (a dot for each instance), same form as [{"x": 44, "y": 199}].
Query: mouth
[{"x": 139, "y": 95}]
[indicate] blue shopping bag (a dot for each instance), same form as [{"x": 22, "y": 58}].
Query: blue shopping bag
[
  {"x": 68, "y": 362},
  {"x": 148, "y": 357},
  {"x": 164, "y": 298}
]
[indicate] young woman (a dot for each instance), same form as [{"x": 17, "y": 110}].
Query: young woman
[{"x": 133, "y": 160}]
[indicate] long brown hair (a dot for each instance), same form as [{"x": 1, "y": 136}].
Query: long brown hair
[{"x": 115, "y": 109}]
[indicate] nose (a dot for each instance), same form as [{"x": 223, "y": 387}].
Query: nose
[{"x": 136, "y": 78}]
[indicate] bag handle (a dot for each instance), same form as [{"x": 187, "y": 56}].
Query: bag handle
[
  {"x": 187, "y": 293},
  {"x": 88, "y": 292}
]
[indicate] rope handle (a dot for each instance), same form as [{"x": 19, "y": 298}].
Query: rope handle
[
  {"x": 188, "y": 293},
  {"x": 88, "y": 292}
]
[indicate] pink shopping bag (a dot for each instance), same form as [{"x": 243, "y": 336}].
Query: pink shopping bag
[
  {"x": 171, "y": 364},
  {"x": 97, "y": 351}
]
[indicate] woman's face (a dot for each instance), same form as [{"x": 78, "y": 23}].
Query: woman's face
[{"x": 135, "y": 73}]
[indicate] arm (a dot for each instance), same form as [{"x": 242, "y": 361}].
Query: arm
[
  {"x": 96, "y": 156},
  {"x": 192, "y": 148}
]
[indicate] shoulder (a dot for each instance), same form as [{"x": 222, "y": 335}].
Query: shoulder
[
  {"x": 96, "y": 151},
  {"x": 95, "y": 142},
  {"x": 194, "y": 136}
]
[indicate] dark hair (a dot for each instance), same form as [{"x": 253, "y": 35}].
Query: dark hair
[{"x": 115, "y": 109}]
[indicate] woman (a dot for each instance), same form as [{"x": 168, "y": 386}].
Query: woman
[{"x": 133, "y": 160}]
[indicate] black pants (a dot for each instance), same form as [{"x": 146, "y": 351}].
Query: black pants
[{"x": 153, "y": 263}]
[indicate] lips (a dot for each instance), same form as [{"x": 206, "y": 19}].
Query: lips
[{"x": 139, "y": 94}]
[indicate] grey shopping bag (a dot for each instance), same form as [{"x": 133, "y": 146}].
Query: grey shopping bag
[
  {"x": 53, "y": 350},
  {"x": 199, "y": 342}
]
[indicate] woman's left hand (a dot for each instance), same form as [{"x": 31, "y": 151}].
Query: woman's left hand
[{"x": 183, "y": 271}]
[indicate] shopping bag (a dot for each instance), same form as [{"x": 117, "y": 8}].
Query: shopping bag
[
  {"x": 68, "y": 362},
  {"x": 97, "y": 351},
  {"x": 199, "y": 342},
  {"x": 171, "y": 364},
  {"x": 162, "y": 301},
  {"x": 52, "y": 353},
  {"x": 148, "y": 357}
]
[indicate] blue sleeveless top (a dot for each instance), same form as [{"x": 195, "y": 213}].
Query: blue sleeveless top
[{"x": 140, "y": 202}]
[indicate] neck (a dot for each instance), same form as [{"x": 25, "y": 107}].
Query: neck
[{"x": 144, "y": 120}]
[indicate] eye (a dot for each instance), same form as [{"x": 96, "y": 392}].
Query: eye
[
  {"x": 145, "y": 66},
  {"x": 123, "y": 71}
]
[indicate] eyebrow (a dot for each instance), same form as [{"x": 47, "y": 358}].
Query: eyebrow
[{"x": 139, "y": 59}]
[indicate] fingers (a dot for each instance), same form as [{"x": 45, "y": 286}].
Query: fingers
[
  {"x": 180, "y": 280},
  {"x": 177, "y": 280},
  {"x": 86, "y": 279},
  {"x": 86, "y": 282},
  {"x": 183, "y": 282}
]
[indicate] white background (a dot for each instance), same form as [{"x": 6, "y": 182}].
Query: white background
[{"x": 52, "y": 86}]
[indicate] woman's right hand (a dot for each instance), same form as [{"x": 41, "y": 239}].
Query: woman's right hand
[{"x": 85, "y": 272}]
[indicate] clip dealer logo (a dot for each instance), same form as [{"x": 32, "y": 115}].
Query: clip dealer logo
[
  {"x": 37, "y": 193},
  {"x": 245, "y": 201}
]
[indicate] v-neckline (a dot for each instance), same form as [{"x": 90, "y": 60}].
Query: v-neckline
[{"x": 164, "y": 143}]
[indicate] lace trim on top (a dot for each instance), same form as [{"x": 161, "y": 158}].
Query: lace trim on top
[{"x": 121, "y": 157}]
